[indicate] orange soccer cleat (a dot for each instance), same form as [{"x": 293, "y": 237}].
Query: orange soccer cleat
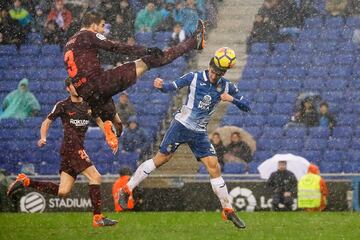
[
  {"x": 125, "y": 196},
  {"x": 100, "y": 221},
  {"x": 21, "y": 181},
  {"x": 110, "y": 136}
]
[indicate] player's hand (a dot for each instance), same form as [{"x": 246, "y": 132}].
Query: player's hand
[
  {"x": 154, "y": 51},
  {"x": 226, "y": 97},
  {"x": 158, "y": 83},
  {"x": 41, "y": 142}
]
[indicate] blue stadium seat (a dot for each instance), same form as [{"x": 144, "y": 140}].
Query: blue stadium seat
[
  {"x": 278, "y": 60},
  {"x": 8, "y": 50},
  {"x": 257, "y": 60},
  {"x": 352, "y": 166},
  {"x": 274, "y": 72},
  {"x": 353, "y": 22},
  {"x": 304, "y": 47},
  {"x": 348, "y": 120},
  {"x": 296, "y": 132},
  {"x": 253, "y": 167},
  {"x": 233, "y": 168},
  {"x": 309, "y": 34},
  {"x": 253, "y": 120},
  {"x": 318, "y": 71},
  {"x": 331, "y": 167},
  {"x": 315, "y": 22},
  {"x": 291, "y": 84},
  {"x": 283, "y": 48},
  {"x": 10, "y": 123},
  {"x": 344, "y": 59},
  {"x": 286, "y": 97},
  {"x": 295, "y": 72},
  {"x": 129, "y": 159},
  {"x": 33, "y": 122},
  {"x": 162, "y": 37},
  {"x": 334, "y": 22},
  {"x": 145, "y": 38},
  {"x": 48, "y": 169},
  {"x": 312, "y": 156},
  {"x": 202, "y": 169},
  {"x": 272, "y": 145},
  {"x": 278, "y": 120},
  {"x": 322, "y": 59},
  {"x": 29, "y": 49},
  {"x": 250, "y": 73},
  {"x": 247, "y": 84},
  {"x": 254, "y": 131},
  {"x": 261, "y": 156},
  {"x": 261, "y": 109},
  {"x": 342, "y": 132},
  {"x": 330, "y": 35},
  {"x": 265, "y": 97},
  {"x": 273, "y": 132},
  {"x": 334, "y": 96},
  {"x": 347, "y": 47},
  {"x": 269, "y": 84},
  {"x": 300, "y": 59},
  {"x": 259, "y": 48},
  {"x": 315, "y": 144},
  {"x": 326, "y": 46},
  {"x": 319, "y": 132},
  {"x": 283, "y": 108},
  {"x": 339, "y": 143},
  {"x": 34, "y": 38},
  {"x": 336, "y": 84},
  {"x": 50, "y": 50},
  {"x": 355, "y": 143},
  {"x": 339, "y": 71},
  {"x": 292, "y": 145}
]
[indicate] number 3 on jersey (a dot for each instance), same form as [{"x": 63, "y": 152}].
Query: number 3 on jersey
[{"x": 69, "y": 59}]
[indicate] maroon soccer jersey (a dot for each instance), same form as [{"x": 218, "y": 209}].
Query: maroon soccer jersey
[
  {"x": 75, "y": 118},
  {"x": 81, "y": 53}
]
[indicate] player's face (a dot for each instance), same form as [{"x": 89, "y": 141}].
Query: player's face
[
  {"x": 214, "y": 75},
  {"x": 72, "y": 91},
  {"x": 100, "y": 28}
]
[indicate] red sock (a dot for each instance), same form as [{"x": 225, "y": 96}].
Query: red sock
[
  {"x": 46, "y": 187},
  {"x": 170, "y": 54},
  {"x": 95, "y": 196}
]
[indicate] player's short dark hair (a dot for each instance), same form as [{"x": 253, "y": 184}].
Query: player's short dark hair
[
  {"x": 216, "y": 134},
  {"x": 91, "y": 17},
  {"x": 236, "y": 133},
  {"x": 325, "y": 104}
]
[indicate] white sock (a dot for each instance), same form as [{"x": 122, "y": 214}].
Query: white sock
[
  {"x": 220, "y": 189},
  {"x": 142, "y": 172}
]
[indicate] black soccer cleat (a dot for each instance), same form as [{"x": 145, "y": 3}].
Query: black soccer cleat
[
  {"x": 199, "y": 35},
  {"x": 124, "y": 195},
  {"x": 229, "y": 214},
  {"x": 100, "y": 221}
]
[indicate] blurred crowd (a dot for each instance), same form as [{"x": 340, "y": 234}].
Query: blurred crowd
[
  {"x": 56, "y": 20},
  {"x": 280, "y": 20}
]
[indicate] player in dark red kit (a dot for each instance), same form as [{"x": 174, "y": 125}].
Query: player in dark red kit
[
  {"x": 75, "y": 115},
  {"x": 97, "y": 86}
]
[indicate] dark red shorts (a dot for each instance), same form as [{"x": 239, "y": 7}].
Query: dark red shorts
[
  {"x": 74, "y": 162},
  {"x": 98, "y": 91}
]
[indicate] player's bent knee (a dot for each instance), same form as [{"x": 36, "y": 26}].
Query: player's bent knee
[{"x": 63, "y": 193}]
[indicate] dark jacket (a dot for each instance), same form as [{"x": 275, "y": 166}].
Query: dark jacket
[
  {"x": 240, "y": 150},
  {"x": 220, "y": 151},
  {"x": 135, "y": 139},
  {"x": 282, "y": 181},
  {"x": 327, "y": 120}
]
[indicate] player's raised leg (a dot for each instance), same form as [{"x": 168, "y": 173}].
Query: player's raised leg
[
  {"x": 23, "y": 180},
  {"x": 219, "y": 187},
  {"x": 94, "y": 178}
]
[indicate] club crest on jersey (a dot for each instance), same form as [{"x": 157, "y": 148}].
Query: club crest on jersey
[
  {"x": 100, "y": 36},
  {"x": 204, "y": 104},
  {"x": 219, "y": 88}
]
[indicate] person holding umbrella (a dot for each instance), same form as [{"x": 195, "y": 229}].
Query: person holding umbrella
[{"x": 284, "y": 186}]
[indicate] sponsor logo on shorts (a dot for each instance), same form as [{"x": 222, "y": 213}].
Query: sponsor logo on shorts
[
  {"x": 32, "y": 202},
  {"x": 79, "y": 122}
]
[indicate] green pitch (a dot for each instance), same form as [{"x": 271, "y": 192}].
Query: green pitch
[{"x": 181, "y": 225}]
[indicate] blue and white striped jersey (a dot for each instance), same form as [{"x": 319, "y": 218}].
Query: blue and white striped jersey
[{"x": 202, "y": 98}]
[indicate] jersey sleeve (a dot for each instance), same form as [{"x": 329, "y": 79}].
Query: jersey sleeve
[
  {"x": 179, "y": 83},
  {"x": 56, "y": 111},
  {"x": 102, "y": 42},
  {"x": 239, "y": 100}
]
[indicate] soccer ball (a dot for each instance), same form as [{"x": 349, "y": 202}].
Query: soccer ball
[{"x": 225, "y": 58}]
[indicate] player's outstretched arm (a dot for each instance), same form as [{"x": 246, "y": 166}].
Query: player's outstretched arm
[
  {"x": 44, "y": 132},
  {"x": 234, "y": 97},
  {"x": 175, "y": 85}
]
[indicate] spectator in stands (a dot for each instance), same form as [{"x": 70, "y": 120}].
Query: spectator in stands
[
  {"x": 336, "y": 7},
  {"x": 60, "y": 15},
  {"x": 148, "y": 19},
  {"x": 20, "y": 103},
  {"x": 307, "y": 114},
  {"x": 52, "y": 33},
  {"x": 312, "y": 191},
  {"x": 219, "y": 148},
  {"x": 284, "y": 186},
  {"x": 125, "y": 108},
  {"x": 307, "y": 9},
  {"x": 353, "y": 7},
  {"x": 188, "y": 16},
  {"x": 127, "y": 13},
  {"x": 326, "y": 118},
  {"x": 238, "y": 150},
  {"x": 108, "y": 9},
  {"x": 168, "y": 20},
  {"x": 178, "y": 35},
  {"x": 20, "y": 15},
  {"x": 120, "y": 29},
  {"x": 282, "y": 13},
  {"x": 135, "y": 139},
  {"x": 38, "y": 25},
  {"x": 12, "y": 32}
]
